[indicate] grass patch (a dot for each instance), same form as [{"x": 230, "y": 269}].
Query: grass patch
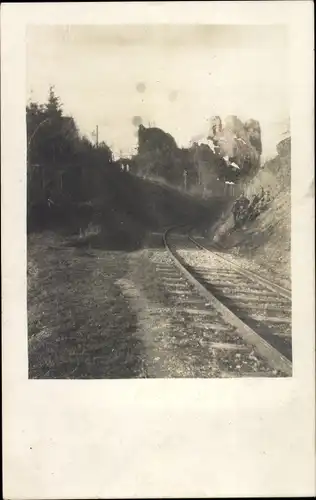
[{"x": 79, "y": 323}]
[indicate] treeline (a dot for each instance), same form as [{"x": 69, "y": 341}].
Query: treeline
[
  {"x": 230, "y": 153},
  {"x": 60, "y": 161}
]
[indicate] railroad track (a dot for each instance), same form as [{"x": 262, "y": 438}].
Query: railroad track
[{"x": 253, "y": 315}]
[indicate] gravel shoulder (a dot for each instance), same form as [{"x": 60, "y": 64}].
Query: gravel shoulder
[{"x": 256, "y": 264}]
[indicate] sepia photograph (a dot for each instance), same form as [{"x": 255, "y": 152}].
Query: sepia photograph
[
  {"x": 158, "y": 201},
  {"x": 157, "y": 194}
]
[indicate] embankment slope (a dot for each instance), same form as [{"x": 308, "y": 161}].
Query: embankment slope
[{"x": 267, "y": 239}]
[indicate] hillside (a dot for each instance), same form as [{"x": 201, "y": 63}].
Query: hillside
[
  {"x": 266, "y": 240},
  {"x": 125, "y": 209}
]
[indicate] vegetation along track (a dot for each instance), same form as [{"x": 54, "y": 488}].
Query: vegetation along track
[{"x": 252, "y": 314}]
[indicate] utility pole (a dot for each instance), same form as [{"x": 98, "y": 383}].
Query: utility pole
[
  {"x": 95, "y": 134},
  {"x": 185, "y": 174}
]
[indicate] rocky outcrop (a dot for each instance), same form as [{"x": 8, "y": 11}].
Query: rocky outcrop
[
  {"x": 216, "y": 125},
  {"x": 239, "y": 142},
  {"x": 284, "y": 147},
  {"x": 253, "y": 130}
]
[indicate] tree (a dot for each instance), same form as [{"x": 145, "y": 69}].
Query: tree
[
  {"x": 52, "y": 137},
  {"x": 58, "y": 157},
  {"x": 53, "y": 105}
]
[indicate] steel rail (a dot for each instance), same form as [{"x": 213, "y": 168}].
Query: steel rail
[
  {"x": 274, "y": 358},
  {"x": 247, "y": 273}
]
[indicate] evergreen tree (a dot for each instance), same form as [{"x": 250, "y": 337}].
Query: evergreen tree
[{"x": 53, "y": 106}]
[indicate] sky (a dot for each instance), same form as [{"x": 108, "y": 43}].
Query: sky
[{"x": 175, "y": 77}]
